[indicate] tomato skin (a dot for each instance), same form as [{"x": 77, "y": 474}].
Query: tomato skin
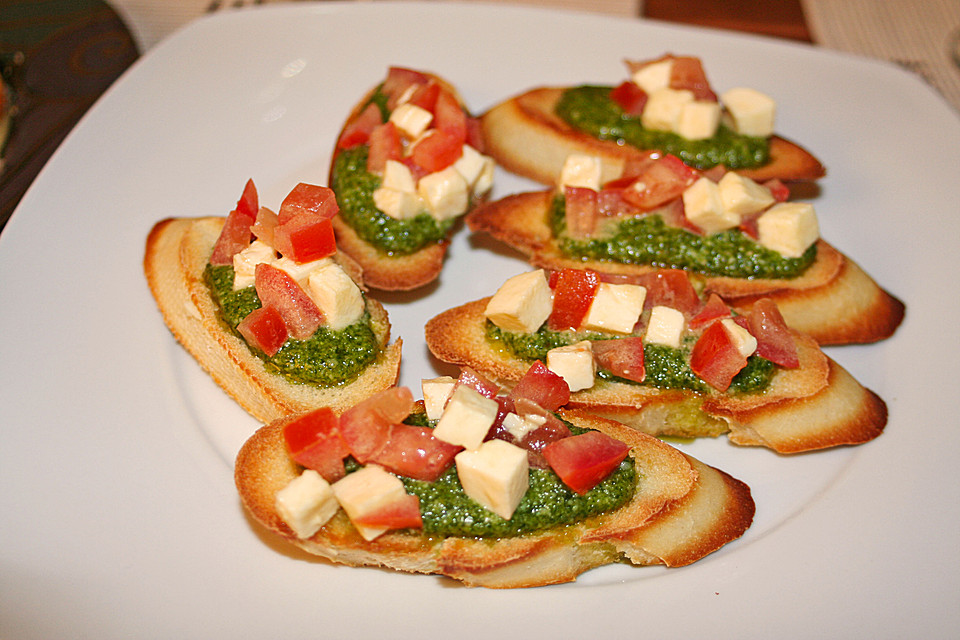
[
  {"x": 542, "y": 386},
  {"x": 314, "y": 442},
  {"x": 264, "y": 329},
  {"x": 403, "y": 513},
  {"x": 234, "y": 238},
  {"x": 449, "y": 116},
  {"x": 631, "y": 98},
  {"x": 249, "y": 203},
  {"x": 715, "y": 358},
  {"x": 425, "y": 96},
  {"x": 414, "y": 452},
  {"x": 437, "y": 151},
  {"x": 573, "y": 293},
  {"x": 583, "y": 461},
  {"x": 670, "y": 287},
  {"x": 714, "y": 309},
  {"x": 774, "y": 340},
  {"x": 687, "y": 73},
  {"x": 308, "y": 199},
  {"x": 622, "y": 357},
  {"x": 277, "y": 289},
  {"x": 580, "y": 211},
  {"x": 385, "y": 144},
  {"x": 357, "y": 131},
  {"x": 660, "y": 181},
  {"x": 365, "y": 427},
  {"x": 469, "y": 376}
]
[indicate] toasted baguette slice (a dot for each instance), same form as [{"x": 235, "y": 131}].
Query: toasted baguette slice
[
  {"x": 525, "y": 136},
  {"x": 177, "y": 253},
  {"x": 814, "y": 406},
  {"x": 682, "y": 511},
  {"x": 834, "y": 301}
]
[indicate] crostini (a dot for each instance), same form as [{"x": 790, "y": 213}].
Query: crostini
[
  {"x": 407, "y": 165},
  {"x": 665, "y": 106},
  {"x": 268, "y": 308},
  {"x": 657, "y": 357},
  {"x": 498, "y": 491}
]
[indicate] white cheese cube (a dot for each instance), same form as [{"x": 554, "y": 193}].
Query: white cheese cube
[
  {"x": 522, "y": 303},
  {"x": 245, "y": 263},
  {"x": 746, "y": 344},
  {"x": 467, "y": 418},
  {"x": 436, "y": 391},
  {"x": 411, "y": 120},
  {"x": 663, "y": 109},
  {"x": 580, "y": 170},
  {"x": 615, "y": 307},
  {"x": 397, "y": 175},
  {"x": 519, "y": 426},
  {"x": 476, "y": 169},
  {"x": 574, "y": 363},
  {"x": 367, "y": 491},
  {"x": 496, "y": 476},
  {"x": 445, "y": 193},
  {"x": 743, "y": 196},
  {"x": 400, "y": 205},
  {"x": 337, "y": 296},
  {"x": 750, "y": 112},
  {"x": 300, "y": 272},
  {"x": 789, "y": 228},
  {"x": 665, "y": 327},
  {"x": 703, "y": 206},
  {"x": 654, "y": 76},
  {"x": 307, "y": 503},
  {"x": 698, "y": 120}
]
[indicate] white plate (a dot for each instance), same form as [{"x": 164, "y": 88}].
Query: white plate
[{"x": 119, "y": 514}]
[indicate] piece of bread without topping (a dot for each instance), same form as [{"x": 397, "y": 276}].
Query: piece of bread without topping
[
  {"x": 681, "y": 511},
  {"x": 816, "y": 405},
  {"x": 177, "y": 252},
  {"x": 525, "y": 136},
  {"x": 834, "y": 301}
]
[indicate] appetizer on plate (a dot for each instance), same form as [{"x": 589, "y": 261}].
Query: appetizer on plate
[
  {"x": 658, "y": 357},
  {"x": 738, "y": 238},
  {"x": 268, "y": 307},
  {"x": 665, "y": 106},
  {"x": 492, "y": 490},
  {"x": 407, "y": 165}
]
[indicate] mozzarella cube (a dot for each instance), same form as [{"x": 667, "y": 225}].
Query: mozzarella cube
[
  {"x": 654, "y": 76},
  {"x": 663, "y": 109},
  {"x": 698, "y": 120},
  {"x": 436, "y": 391},
  {"x": 615, "y": 307},
  {"x": 750, "y": 112},
  {"x": 301, "y": 271},
  {"x": 337, "y": 296},
  {"x": 665, "y": 327},
  {"x": 519, "y": 426},
  {"x": 411, "y": 120},
  {"x": 367, "y": 491},
  {"x": 522, "y": 303},
  {"x": 789, "y": 228},
  {"x": 742, "y": 339},
  {"x": 245, "y": 263},
  {"x": 476, "y": 169},
  {"x": 445, "y": 193},
  {"x": 306, "y": 503},
  {"x": 574, "y": 363},
  {"x": 397, "y": 175},
  {"x": 703, "y": 206},
  {"x": 496, "y": 475},
  {"x": 467, "y": 418},
  {"x": 399, "y": 205},
  {"x": 580, "y": 170},
  {"x": 743, "y": 196}
]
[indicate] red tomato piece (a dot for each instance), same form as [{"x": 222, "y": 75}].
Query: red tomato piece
[
  {"x": 437, "y": 151},
  {"x": 483, "y": 386},
  {"x": 366, "y": 426},
  {"x": 403, "y": 513},
  {"x": 264, "y": 226},
  {"x": 610, "y": 202},
  {"x": 748, "y": 226},
  {"x": 425, "y": 96},
  {"x": 308, "y": 199},
  {"x": 314, "y": 442},
  {"x": 774, "y": 340},
  {"x": 780, "y": 191},
  {"x": 687, "y": 73},
  {"x": 580, "y": 211},
  {"x": 305, "y": 238},
  {"x": 264, "y": 329},
  {"x": 542, "y": 386},
  {"x": 398, "y": 80},
  {"x": 622, "y": 357},
  {"x": 234, "y": 238},
  {"x": 357, "y": 131},
  {"x": 714, "y": 309},
  {"x": 551, "y": 430},
  {"x": 449, "y": 116},
  {"x": 584, "y": 461},
  {"x": 715, "y": 357},
  {"x": 248, "y": 205},
  {"x": 385, "y": 144},
  {"x": 572, "y": 297},
  {"x": 671, "y": 288},
  {"x": 659, "y": 182},
  {"x": 497, "y": 430},
  {"x": 414, "y": 452},
  {"x": 277, "y": 289},
  {"x": 631, "y": 98},
  {"x": 475, "y": 134}
]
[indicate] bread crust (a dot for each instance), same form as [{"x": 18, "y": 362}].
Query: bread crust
[
  {"x": 177, "y": 252},
  {"x": 834, "y": 301},
  {"x": 815, "y": 406},
  {"x": 525, "y": 136},
  {"x": 682, "y": 511}
]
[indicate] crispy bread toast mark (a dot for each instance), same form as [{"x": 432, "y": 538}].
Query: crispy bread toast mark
[
  {"x": 834, "y": 301},
  {"x": 526, "y": 137},
  {"x": 177, "y": 251},
  {"x": 674, "y": 491}
]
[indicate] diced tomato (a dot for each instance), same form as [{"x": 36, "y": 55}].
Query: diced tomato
[
  {"x": 248, "y": 205},
  {"x": 535, "y": 441},
  {"x": 780, "y": 191},
  {"x": 449, "y": 116},
  {"x": 659, "y": 182},
  {"x": 437, "y": 151},
  {"x": 234, "y": 238},
  {"x": 573, "y": 293},
  {"x": 748, "y": 226},
  {"x": 475, "y": 134},
  {"x": 308, "y": 199},
  {"x": 714, "y": 309},
  {"x": 305, "y": 238},
  {"x": 264, "y": 226},
  {"x": 277, "y": 289},
  {"x": 715, "y": 358},
  {"x": 671, "y": 288},
  {"x": 264, "y": 329},
  {"x": 366, "y": 426},
  {"x": 357, "y": 131},
  {"x": 622, "y": 357},
  {"x": 631, "y": 98},
  {"x": 403, "y": 513},
  {"x": 425, "y": 96},
  {"x": 774, "y": 340},
  {"x": 542, "y": 386},
  {"x": 398, "y": 80},
  {"x": 580, "y": 211},
  {"x": 687, "y": 73},
  {"x": 585, "y": 460},
  {"x": 483, "y": 386},
  {"x": 314, "y": 442},
  {"x": 385, "y": 144},
  {"x": 415, "y": 452},
  {"x": 610, "y": 202}
]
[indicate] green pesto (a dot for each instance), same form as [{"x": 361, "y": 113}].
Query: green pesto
[
  {"x": 648, "y": 240},
  {"x": 354, "y": 187},
  {"x": 327, "y": 358},
  {"x": 590, "y": 109}
]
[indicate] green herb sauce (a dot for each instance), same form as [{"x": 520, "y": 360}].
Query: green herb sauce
[
  {"x": 590, "y": 109},
  {"x": 326, "y": 359}
]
